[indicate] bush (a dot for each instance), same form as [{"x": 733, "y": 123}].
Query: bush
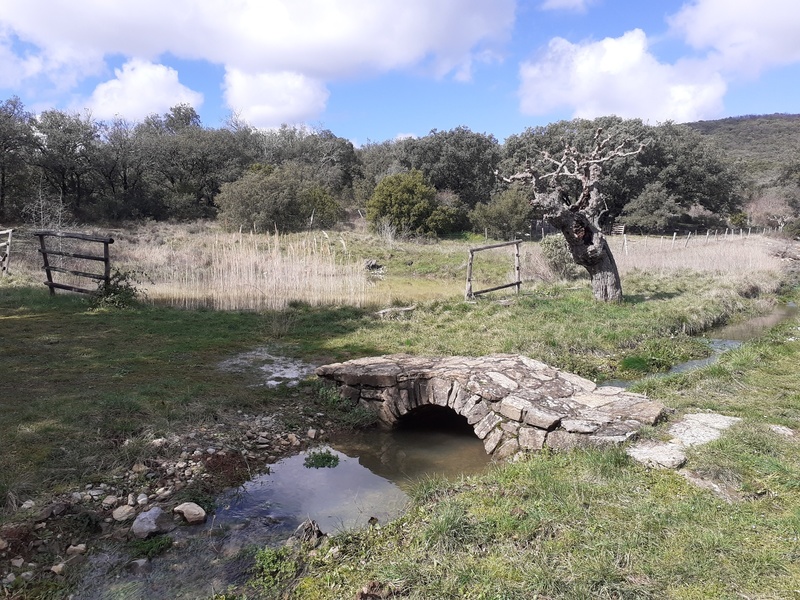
[
  {"x": 286, "y": 198},
  {"x": 121, "y": 291},
  {"x": 558, "y": 257},
  {"x": 507, "y": 215},
  {"x": 404, "y": 202}
]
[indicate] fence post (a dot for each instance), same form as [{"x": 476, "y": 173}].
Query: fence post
[
  {"x": 517, "y": 266},
  {"x": 688, "y": 235},
  {"x": 5, "y": 252},
  {"x": 674, "y": 235},
  {"x": 468, "y": 291}
]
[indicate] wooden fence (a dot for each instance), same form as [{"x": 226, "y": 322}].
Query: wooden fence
[
  {"x": 469, "y": 294},
  {"x": 50, "y": 269},
  {"x": 5, "y": 250}
]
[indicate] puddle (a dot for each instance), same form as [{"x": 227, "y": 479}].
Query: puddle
[
  {"x": 271, "y": 370},
  {"x": 374, "y": 470}
]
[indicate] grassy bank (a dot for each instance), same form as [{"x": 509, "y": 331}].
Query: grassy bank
[{"x": 595, "y": 524}]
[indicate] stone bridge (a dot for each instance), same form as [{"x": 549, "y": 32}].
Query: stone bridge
[{"x": 515, "y": 404}]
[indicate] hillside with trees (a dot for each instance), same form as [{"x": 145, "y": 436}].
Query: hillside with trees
[{"x": 58, "y": 168}]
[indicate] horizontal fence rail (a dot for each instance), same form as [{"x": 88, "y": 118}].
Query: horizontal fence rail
[{"x": 50, "y": 236}]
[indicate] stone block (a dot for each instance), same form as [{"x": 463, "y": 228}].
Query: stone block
[
  {"x": 510, "y": 427},
  {"x": 502, "y": 380},
  {"x": 580, "y": 425},
  {"x": 579, "y": 382},
  {"x": 492, "y": 440},
  {"x": 508, "y": 448},
  {"x": 542, "y": 418},
  {"x": 350, "y": 393},
  {"x": 467, "y": 405},
  {"x": 489, "y": 422},
  {"x": 439, "y": 390},
  {"x": 478, "y": 412},
  {"x": 531, "y": 438},
  {"x": 513, "y": 407}
]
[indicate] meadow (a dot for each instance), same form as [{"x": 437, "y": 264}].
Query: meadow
[{"x": 87, "y": 388}]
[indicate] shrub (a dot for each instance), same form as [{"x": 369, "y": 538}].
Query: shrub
[
  {"x": 121, "y": 291},
  {"x": 558, "y": 257},
  {"x": 507, "y": 215},
  {"x": 403, "y": 201},
  {"x": 286, "y": 198}
]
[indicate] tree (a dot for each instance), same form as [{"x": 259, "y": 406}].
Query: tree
[
  {"x": 66, "y": 145},
  {"x": 403, "y": 201},
  {"x": 458, "y": 160},
  {"x": 16, "y": 141},
  {"x": 578, "y": 218},
  {"x": 652, "y": 210}
]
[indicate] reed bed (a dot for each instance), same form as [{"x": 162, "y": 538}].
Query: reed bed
[{"x": 252, "y": 272}]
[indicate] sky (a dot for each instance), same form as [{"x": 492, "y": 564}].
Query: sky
[{"x": 374, "y": 70}]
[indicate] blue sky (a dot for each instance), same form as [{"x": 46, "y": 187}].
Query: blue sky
[{"x": 379, "y": 69}]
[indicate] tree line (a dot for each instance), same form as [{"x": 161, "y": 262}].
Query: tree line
[{"x": 57, "y": 166}]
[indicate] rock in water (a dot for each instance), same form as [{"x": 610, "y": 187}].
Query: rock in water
[
  {"x": 151, "y": 522},
  {"x": 190, "y": 511}
]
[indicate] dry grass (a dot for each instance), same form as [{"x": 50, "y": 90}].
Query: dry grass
[
  {"x": 734, "y": 255},
  {"x": 198, "y": 265}
]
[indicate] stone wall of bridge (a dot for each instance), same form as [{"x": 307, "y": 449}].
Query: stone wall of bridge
[{"x": 514, "y": 403}]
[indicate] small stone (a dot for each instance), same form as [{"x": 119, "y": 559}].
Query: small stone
[
  {"x": 110, "y": 501},
  {"x": 9, "y": 579},
  {"x": 782, "y": 430},
  {"x": 76, "y": 497},
  {"x": 26, "y": 576},
  {"x": 3, "y": 544},
  {"x": 28, "y": 504},
  {"x": 139, "y": 566},
  {"x": 17, "y": 562},
  {"x": 76, "y": 549},
  {"x": 123, "y": 513},
  {"x": 191, "y": 512},
  {"x": 312, "y": 434},
  {"x": 139, "y": 468},
  {"x": 59, "y": 568},
  {"x": 293, "y": 439},
  {"x": 142, "y": 499},
  {"x": 131, "y": 500}
]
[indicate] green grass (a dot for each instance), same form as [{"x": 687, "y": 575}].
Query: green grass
[{"x": 84, "y": 389}]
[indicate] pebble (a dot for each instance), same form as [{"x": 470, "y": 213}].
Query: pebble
[
  {"x": 123, "y": 513},
  {"x": 110, "y": 501},
  {"x": 59, "y": 568},
  {"x": 76, "y": 549},
  {"x": 142, "y": 499},
  {"x": 3, "y": 544},
  {"x": 28, "y": 504}
]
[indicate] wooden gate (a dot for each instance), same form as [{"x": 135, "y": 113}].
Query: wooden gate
[
  {"x": 50, "y": 269},
  {"x": 469, "y": 294}
]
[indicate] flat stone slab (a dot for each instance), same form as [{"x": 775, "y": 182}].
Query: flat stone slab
[
  {"x": 514, "y": 403},
  {"x": 694, "y": 429}
]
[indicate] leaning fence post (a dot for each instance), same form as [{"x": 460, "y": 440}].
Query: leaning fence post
[
  {"x": 674, "y": 235},
  {"x": 5, "y": 254}
]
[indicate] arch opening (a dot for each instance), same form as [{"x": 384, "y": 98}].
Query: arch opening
[{"x": 430, "y": 417}]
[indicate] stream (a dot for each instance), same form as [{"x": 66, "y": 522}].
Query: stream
[{"x": 370, "y": 481}]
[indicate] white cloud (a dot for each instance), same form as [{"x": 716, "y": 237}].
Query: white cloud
[
  {"x": 272, "y": 99},
  {"x": 141, "y": 88},
  {"x": 743, "y": 37},
  {"x": 318, "y": 40},
  {"x": 618, "y": 76},
  {"x": 573, "y": 5}
]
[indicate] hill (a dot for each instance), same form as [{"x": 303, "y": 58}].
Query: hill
[{"x": 764, "y": 144}]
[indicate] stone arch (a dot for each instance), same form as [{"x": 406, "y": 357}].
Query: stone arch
[{"x": 514, "y": 403}]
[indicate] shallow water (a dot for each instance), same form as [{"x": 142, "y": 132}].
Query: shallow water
[
  {"x": 725, "y": 338},
  {"x": 374, "y": 470}
]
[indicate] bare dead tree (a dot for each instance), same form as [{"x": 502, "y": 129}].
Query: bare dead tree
[{"x": 579, "y": 219}]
